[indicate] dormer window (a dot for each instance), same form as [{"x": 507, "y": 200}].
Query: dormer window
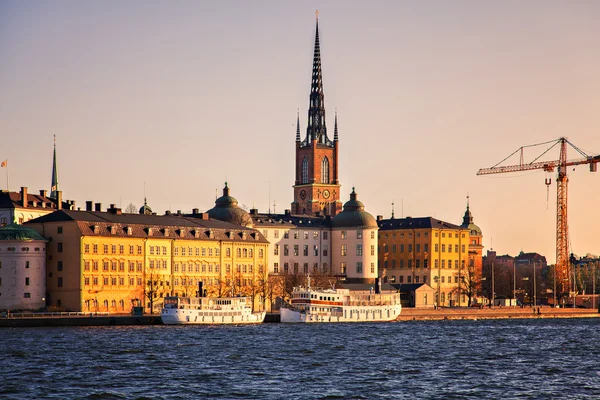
[
  {"x": 129, "y": 230},
  {"x": 196, "y": 233},
  {"x": 149, "y": 231},
  {"x": 95, "y": 229},
  {"x": 166, "y": 231},
  {"x": 181, "y": 232},
  {"x": 112, "y": 229}
]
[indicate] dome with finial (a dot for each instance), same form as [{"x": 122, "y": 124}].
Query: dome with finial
[
  {"x": 468, "y": 223},
  {"x": 145, "y": 209},
  {"x": 354, "y": 215},
  {"x": 226, "y": 209}
]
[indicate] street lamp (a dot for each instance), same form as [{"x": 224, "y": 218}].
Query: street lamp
[{"x": 534, "y": 287}]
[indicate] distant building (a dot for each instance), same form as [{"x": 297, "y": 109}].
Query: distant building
[
  {"x": 475, "y": 242},
  {"x": 24, "y": 206},
  {"x": 22, "y": 268},
  {"x": 425, "y": 250}
]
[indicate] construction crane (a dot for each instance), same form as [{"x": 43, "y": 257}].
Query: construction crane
[{"x": 562, "y": 228}]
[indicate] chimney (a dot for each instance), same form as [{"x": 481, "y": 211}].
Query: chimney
[
  {"x": 89, "y": 205},
  {"x": 204, "y": 216},
  {"x": 288, "y": 213},
  {"x": 72, "y": 204},
  {"x": 98, "y": 207},
  {"x": 43, "y": 193},
  {"x": 253, "y": 211},
  {"x": 178, "y": 212},
  {"x": 59, "y": 200},
  {"x": 114, "y": 210},
  {"x": 168, "y": 212},
  {"x": 379, "y": 218},
  {"x": 24, "y": 196},
  {"x": 195, "y": 211}
]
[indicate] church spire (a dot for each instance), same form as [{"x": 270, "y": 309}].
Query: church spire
[
  {"x": 316, "y": 129},
  {"x": 468, "y": 217},
  {"x": 54, "y": 188},
  {"x": 335, "y": 128},
  {"x": 298, "y": 126}
]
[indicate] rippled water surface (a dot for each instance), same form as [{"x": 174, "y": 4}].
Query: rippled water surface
[{"x": 424, "y": 359}]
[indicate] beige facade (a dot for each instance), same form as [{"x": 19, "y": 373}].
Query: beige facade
[
  {"x": 109, "y": 262},
  {"x": 425, "y": 250}
]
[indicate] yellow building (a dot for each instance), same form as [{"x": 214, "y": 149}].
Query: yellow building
[
  {"x": 109, "y": 261},
  {"x": 425, "y": 250}
]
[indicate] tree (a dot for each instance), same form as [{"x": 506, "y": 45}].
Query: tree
[
  {"x": 469, "y": 282},
  {"x": 131, "y": 209},
  {"x": 154, "y": 286}
]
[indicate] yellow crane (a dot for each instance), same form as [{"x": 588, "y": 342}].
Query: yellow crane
[{"x": 562, "y": 228}]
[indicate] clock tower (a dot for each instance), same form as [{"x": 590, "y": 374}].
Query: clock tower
[{"x": 317, "y": 187}]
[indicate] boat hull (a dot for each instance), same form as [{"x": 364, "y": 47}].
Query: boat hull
[
  {"x": 199, "y": 317},
  {"x": 349, "y": 314}
]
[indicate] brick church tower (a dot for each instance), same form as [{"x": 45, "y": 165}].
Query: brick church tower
[{"x": 317, "y": 187}]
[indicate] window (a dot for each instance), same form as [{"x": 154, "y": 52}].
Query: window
[
  {"x": 182, "y": 251},
  {"x": 286, "y": 234},
  {"x": 26, "y": 281},
  {"x": 443, "y": 279},
  {"x": 86, "y": 281},
  {"x": 408, "y": 279},
  {"x": 325, "y": 170},
  {"x": 295, "y": 268},
  {"x": 131, "y": 248},
  {"x": 426, "y": 247},
  {"x": 27, "y": 295},
  {"x": 305, "y": 235},
  {"x": 325, "y": 250},
  {"x": 296, "y": 250},
  {"x": 286, "y": 250},
  {"x": 276, "y": 250},
  {"x": 305, "y": 268},
  {"x": 305, "y": 250},
  {"x": 372, "y": 249},
  {"x": 372, "y": 234},
  {"x": 359, "y": 268},
  {"x": 286, "y": 267},
  {"x": 59, "y": 265},
  {"x": 86, "y": 265},
  {"x": 359, "y": 234},
  {"x": 305, "y": 170},
  {"x": 86, "y": 248},
  {"x": 315, "y": 235},
  {"x": 315, "y": 250},
  {"x": 462, "y": 248},
  {"x": 344, "y": 234},
  {"x": 372, "y": 268},
  {"x": 417, "y": 263},
  {"x": 443, "y": 263},
  {"x": 139, "y": 250},
  {"x": 276, "y": 268},
  {"x": 114, "y": 248},
  {"x": 402, "y": 248},
  {"x": 60, "y": 281},
  {"x": 343, "y": 268},
  {"x": 359, "y": 250},
  {"x": 296, "y": 234},
  {"x": 410, "y": 248},
  {"x": 449, "y": 248},
  {"x": 425, "y": 263},
  {"x": 325, "y": 235},
  {"x": 59, "y": 247},
  {"x": 417, "y": 279},
  {"x": 151, "y": 250},
  {"x": 27, "y": 264},
  {"x": 437, "y": 264},
  {"x": 276, "y": 234},
  {"x": 344, "y": 249},
  {"x": 418, "y": 248},
  {"x": 443, "y": 248},
  {"x": 227, "y": 252}
]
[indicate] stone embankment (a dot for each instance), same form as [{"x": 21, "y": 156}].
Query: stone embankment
[
  {"x": 472, "y": 313},
  {"x": 40, "y": 320}
]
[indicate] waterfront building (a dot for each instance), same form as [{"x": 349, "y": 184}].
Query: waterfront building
[
  {"x": 354, "y": 243},
  {"x": 475, "y": 242},
  {"x": 22, "y": 268},
  {"x": 426, "y": 250},
  {"x": 23, "y": 206},
  {"x": 317, "y": 185},
  {"x": 109, "y": 261}
]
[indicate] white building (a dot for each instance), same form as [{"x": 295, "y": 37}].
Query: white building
[
  {"x": 22, "y": 268},
  {"x": 23, "y": 206},
  {"x": 354, "y": 243}
]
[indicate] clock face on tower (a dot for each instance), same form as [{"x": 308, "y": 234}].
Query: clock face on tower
[
  {"x": 326, "y": 193},
  {"x": 303, "y": 194}
]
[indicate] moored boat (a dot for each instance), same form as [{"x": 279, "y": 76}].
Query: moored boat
[
  {"x": 209, "y": 310},
  {"x": 340, "y": 305}
]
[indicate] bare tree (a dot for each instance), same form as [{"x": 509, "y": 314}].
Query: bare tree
[
  {"x": 469, "y": 283},
  {"x": 154, "y": 286},
  {"x": 131, "y": 209}
]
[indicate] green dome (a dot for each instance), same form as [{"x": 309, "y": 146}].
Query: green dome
[
  {"x": 468, "y": 223},
  {"x": 354, "y": 215},
  {"x": 226, "y": 209},
  {"x": 15, "y": 232}
]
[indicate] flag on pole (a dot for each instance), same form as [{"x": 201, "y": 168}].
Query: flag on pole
[{"x": 4, "y": 164}]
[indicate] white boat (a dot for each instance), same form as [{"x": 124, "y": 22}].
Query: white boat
[
  {"x": 209, "y": 310},
  {"x": 340, "y": 305}
]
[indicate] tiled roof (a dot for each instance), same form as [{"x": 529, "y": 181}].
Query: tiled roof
[
  {"x": 94, "y": 223},
  {"x": 287, "y": 220},
  {"x": 13, "y": 200},
  {"x": 415, "y": 223}
]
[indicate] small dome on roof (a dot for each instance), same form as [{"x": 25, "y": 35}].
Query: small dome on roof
[
  {"x": 19, "y": 233},
  {"x": 145, "y": 209},
  {"x": 226, "y": 209},
  {"x": 354, "y": 215}
]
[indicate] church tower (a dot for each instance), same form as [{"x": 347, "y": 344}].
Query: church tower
[{"x": 317, "y": 187}]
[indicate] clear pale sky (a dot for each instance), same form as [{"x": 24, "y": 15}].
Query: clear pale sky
[{"x": 185, "y": 95}]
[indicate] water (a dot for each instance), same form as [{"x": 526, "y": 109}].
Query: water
[{"x": 546, "y": 358}]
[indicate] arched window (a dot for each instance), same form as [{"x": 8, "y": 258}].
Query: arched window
[
  {"x": 325, "y": 170},
  {"x": 305, "y": 170}
]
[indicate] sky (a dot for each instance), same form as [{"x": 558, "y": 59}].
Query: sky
[{"x": 172, "y": 99}]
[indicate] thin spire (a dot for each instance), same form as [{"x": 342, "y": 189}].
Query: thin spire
[
  {"x": 316, "y": 128},
  {"x": 298, "y": 126},
  {"x": 54, "y": 187},
  {"x": 335, "y": 128},
  {"x": 392, "y": 209}
]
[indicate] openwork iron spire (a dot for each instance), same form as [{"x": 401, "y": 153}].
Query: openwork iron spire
[
  {"x": 335, "y": 128},
  {"x": 54, "y": 188},
  {"x": 316, "y": 129},
  {"x": 298, "y": 126}
]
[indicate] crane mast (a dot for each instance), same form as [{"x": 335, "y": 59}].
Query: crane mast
[{"x": 562, "y": 274}]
